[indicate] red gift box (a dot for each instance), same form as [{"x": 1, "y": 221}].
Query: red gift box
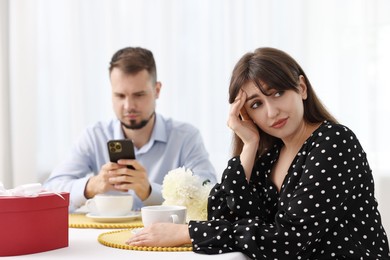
[{"x": 33, "y": 224}]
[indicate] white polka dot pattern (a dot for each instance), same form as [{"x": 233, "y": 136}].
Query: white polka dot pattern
[{"x": 326, "y": 207}]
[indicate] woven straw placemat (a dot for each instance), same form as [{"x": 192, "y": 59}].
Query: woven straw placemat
[
  {"x": 118, "y": 238},
  {"x": 82, "y": 221}
]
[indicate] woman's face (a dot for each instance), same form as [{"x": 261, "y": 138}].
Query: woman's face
[{"x": 279, "y": 114}]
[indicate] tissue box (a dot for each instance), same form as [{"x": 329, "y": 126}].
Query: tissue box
[{"x": 33, "y": 224}]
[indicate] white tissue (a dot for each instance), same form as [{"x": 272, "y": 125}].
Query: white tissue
[{"x": 26, "y": 190}]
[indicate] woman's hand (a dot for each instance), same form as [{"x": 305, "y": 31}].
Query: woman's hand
[
  {"x": 244, "y": 128},
  {"x": 161, "y": 234}
]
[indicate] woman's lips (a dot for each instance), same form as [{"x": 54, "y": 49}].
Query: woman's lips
[{"x": 279, "y": 123}]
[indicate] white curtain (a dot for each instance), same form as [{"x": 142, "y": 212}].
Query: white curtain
[
  {"x": 5, "y": 144},
  {"x": 54, "y": 57}
]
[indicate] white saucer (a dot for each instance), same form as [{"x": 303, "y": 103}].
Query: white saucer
[{"x": 133, "y": 215}]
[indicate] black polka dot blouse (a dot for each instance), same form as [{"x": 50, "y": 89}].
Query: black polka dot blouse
[{"x": 325, "y": 209}]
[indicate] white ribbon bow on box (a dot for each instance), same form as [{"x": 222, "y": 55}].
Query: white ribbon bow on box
[{"x": 26, "y": 190}]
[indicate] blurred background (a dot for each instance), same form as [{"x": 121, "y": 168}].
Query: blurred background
[{"x": 54, "y": 57}]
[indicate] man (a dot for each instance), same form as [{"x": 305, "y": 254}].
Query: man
[{"x": 160, "y": 144}]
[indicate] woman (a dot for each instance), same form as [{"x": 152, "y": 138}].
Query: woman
[{"x": 299, "y": 185}]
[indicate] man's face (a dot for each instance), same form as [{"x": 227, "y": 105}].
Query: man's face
[{"x": 134, "y": 97}]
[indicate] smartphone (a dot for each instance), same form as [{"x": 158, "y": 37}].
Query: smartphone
[{"x": 121, "y": 149}]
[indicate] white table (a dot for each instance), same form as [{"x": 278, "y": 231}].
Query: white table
[{"x": 83, "y": 244}]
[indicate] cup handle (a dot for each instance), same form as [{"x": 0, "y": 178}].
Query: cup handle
[
  {"x": 91, "y": 206},
  {"x": 175, "y": 219}
]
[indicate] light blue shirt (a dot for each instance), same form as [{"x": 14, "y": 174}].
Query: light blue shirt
[{"x": 172, "y": 144}]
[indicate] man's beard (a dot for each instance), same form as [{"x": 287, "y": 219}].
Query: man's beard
[{"x": 135, "y": 126}]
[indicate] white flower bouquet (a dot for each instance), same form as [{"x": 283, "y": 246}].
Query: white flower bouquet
[{"x": 181, "y": 187}]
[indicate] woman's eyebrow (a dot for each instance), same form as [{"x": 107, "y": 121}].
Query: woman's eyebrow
[{"x": 249, "y": 98}]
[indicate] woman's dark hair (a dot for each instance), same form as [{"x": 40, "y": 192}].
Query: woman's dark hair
[
  {"x": 132, "y": 60},
  {"x": 277, "y": 70}
]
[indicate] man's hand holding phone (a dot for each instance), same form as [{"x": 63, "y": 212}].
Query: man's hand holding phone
[
  {"x": 122, "y": 173},
  {"x": 136, "y": 179}
]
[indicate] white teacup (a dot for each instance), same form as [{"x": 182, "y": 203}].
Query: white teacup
[
  {"x": 163, "y": 214},
  {"x": 110, "y": 205}
]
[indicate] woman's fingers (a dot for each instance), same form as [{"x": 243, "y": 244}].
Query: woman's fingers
[
  {"x": 237, "y": 109},
  {"x": 244, "y": 114}
]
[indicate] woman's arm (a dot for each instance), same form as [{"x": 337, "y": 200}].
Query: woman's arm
[
  {"x": 243, "y": 126},
  {"x": 234, "y": 198}
]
